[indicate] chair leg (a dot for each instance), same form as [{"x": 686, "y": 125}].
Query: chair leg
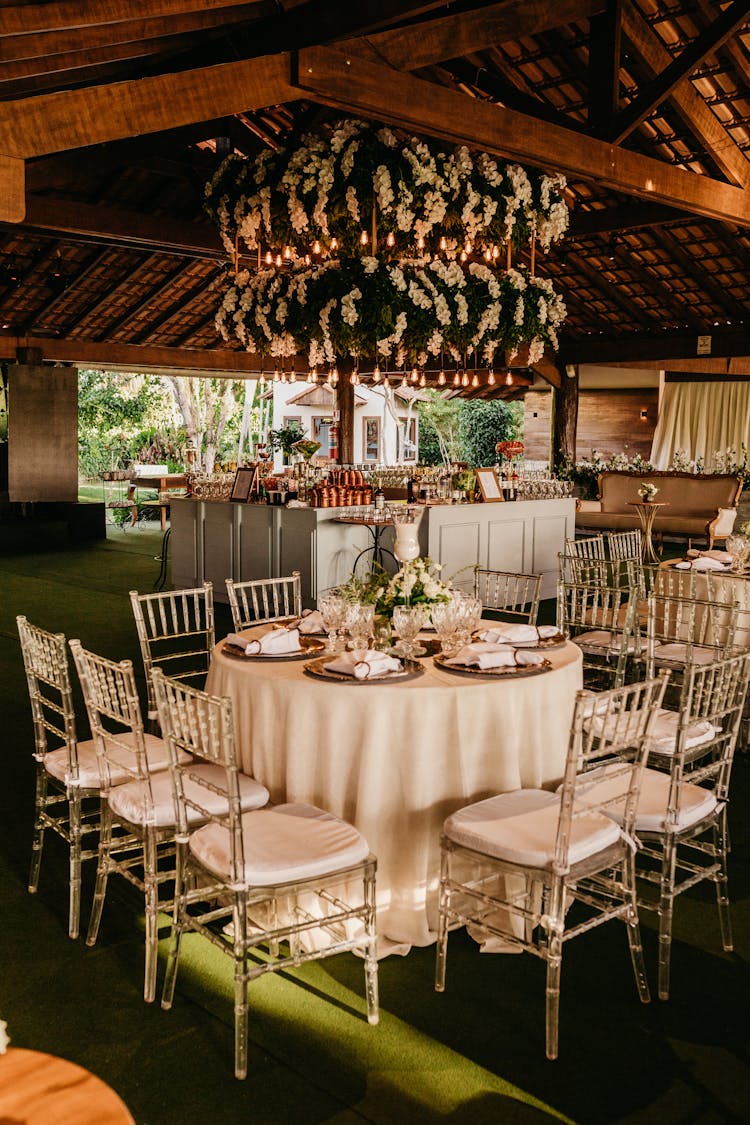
[
  {"x": 240, "y": 985},
  {"x": 102, "y": 872},
  {"x": 74, "y": 820},
  {"x": 554, "y": 970},
  {"x": 152, "y": 916},
  {"x": 634, "y": 931},
  {"x": 178, "y": 924},
  {"x": 722, "y": 882},
  {"x": 441, "y": 949},
  {"x": 666, "y": 909},
  {"x": 37, "y": 843},
  {"x": 371, "y": 953}
]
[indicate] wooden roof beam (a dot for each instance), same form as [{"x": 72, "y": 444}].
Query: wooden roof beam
[
  {"x": 606, "y": 220},
  {"x": 654, "y": 349},
  {"x": 704, "y": 125},
  {"x": 327, "y": 75},
  {"x": 64, "y": 15},
  {"x": 134, "y": 357},
  {"x": 604, "y": 65},
  {"x": 680, "y": 68}
]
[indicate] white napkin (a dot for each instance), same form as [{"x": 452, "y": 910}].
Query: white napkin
[
  {"x": 277, "y": 642},
  {"x": 364, "y": 664},
  {"x": 700, "y": 564},
  {"x": 720, "y": 556},
  {"x": 518, "y": 633},
  {"x": 312, "y": 622},
  {"x": 486, "y": 655}
]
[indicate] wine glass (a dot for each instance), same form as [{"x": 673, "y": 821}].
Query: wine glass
[
  {"x": 333, "y": 609},
  {"x": 445, "y": 620},
  {"x": 738, "y": 547},
  {"x": 407, "y": 622},
  {"x": 360, "y": 621}
]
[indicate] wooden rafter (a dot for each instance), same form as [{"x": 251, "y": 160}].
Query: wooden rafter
[
  {"x": 196, "y": 290},
  {"x": 723, "y": 26},
  {"x": 604, "y": 65},
  {"x": 686, "y": 99},
  {"x": 326, "y": 75},
  {"x": 134, "y": 357},
  {"x": 49, "y": 305},
  {"x": 62, "y": 15},
  {"x": 141, "y": 300},
  {"x": 655, "y": 348},
  {"x": 631, "y": 216}
]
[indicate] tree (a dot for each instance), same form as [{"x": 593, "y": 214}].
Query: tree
[
  {"x": 483, "y": 423},
  {"x": 206, "y": 406},
  {"x": 438, "y": 429}
]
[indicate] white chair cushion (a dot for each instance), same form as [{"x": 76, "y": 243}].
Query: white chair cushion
[
  {"x": 283, "y": 844},
  {"x": 130, "y": 801},
  {"x": 664, "y": 732},
  {"x": 603, "y": 639},
  {"x": 521, "y": 827},
  {"x": 678, "y": 652},
  {"x": 56, "y": 762},
  {"x": 695, "y": 801}
]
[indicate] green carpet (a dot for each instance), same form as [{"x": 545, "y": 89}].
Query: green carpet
[{"x": 473, "y": 1055}]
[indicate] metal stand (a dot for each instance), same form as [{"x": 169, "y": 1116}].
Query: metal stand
[
  {"x": 162, "y": 558},
  {"x": 376, "y": 549}
]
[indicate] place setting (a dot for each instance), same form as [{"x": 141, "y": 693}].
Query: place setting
[{"x": 278, "y": 644}]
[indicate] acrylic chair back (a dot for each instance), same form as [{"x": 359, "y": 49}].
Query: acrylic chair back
[
  {"x": 176, "y": 631},
  {"x": 45, "y": 660},
  {"x": 261, "y": 600},
  {"x": 586, "y": 571},
  {"x": 692, "y": 623},
  {"x": 199, "y": 728},
  {"x": 603, "y": 617},
  {"x": 590, "y": 548},
  {"x": 607, "y": 750},
  {"x": 625, "y": 544},
  {"x": 114, "y": 712},
  {"x": 514, "y": 595},
  {"x": 726, "y": 589}
]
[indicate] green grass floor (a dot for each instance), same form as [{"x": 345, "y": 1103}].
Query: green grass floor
[{"x": 474, "y": 1054}]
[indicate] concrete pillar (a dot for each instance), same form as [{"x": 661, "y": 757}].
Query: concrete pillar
[{"x": 42, "y": 433}]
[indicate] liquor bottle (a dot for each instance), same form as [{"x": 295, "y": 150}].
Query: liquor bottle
[{"x": 379, "y": 499}]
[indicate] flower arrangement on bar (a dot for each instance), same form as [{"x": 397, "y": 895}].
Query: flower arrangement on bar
[
  {"x": 367, "y": 243},
  {"x": 648, "y": 491},
  {"x": 509, "y": 449},
  {"x": 416, "y": 583}
]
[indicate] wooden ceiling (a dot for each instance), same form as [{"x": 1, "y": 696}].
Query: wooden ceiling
[{"x": 113, "y": 115}]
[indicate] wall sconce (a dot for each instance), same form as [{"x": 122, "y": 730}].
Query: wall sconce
[{"x": 644, "y": 415}]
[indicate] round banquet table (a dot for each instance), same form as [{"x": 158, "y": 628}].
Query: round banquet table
[
  {"x": 396, "y": 759},
  {"x": 36, "y": 1088}
]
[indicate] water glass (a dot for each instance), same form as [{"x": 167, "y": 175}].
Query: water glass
[
  {"x": 360, "y": 623},
  {"x": 445, "y": 620},
  {"x": 333, "y": 609},
  {"x": 407, "y": 622}
]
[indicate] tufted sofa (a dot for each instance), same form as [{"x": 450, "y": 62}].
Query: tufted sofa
[{"x": 697, "y": 506}]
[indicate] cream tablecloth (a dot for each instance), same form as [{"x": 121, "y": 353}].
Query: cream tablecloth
[{"x": 396, "y": 759}]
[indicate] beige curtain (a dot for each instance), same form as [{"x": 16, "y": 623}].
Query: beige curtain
[{"x": 701, "y": 419}]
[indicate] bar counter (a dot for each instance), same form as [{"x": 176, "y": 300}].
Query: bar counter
[{"x": 215, "y": 540}]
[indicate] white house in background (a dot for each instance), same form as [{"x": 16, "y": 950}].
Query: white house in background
[{"x": 386, "y": 426}]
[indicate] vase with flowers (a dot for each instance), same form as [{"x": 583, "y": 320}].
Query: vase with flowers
[{"x": 648, "y": 491}]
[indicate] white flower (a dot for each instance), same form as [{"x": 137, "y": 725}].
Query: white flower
[
  {"x": 352, "y": 204},
  {"x": 349, "y": 312},
  {"x": 4, "y": 1037}
]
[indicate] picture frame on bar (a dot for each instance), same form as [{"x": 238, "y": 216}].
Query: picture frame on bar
[
  {"x": 489, "y": 485},
  {"x": 244, "y": 480}
]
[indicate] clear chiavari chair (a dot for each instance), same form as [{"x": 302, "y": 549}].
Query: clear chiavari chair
[
  {"x": 512, "y": 864},
  {"x": 67, "y": 771},
  {"x": 625, "y": 544},
  {"x": 681, "y": 820},
  {"x": 137, "y": 805},
  {"x": 599, "y": 619},
  {"x": 726, "y": 589},
  {"x": 245, "y": 863},
  {"x": 592, "y": 547},
  {"x": 515, "y": 596},
  {"x": 685, "y": 631},
  {"x": 261, "y": 600},
  {"x": 176, "y": 632}
]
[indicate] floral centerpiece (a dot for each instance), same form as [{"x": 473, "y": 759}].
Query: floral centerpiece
[
  {"x": 509, "y": 449},
  {"x": 648, "y": 491},
  {"x": 416, "y": 583}
]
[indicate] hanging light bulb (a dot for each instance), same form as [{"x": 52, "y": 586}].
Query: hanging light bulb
[
  {"x": 495, "y": 252},
  {"x": 464, "y": 255},
  {"x": 464, "y": 380},
  {"x": 278, "y": 259},
  {"x": 468, "y": 247},
  {"x": 391, "y": 239},
  {"x": 457, "y": 380},
  {"x": 354, "y": 378},
  {"x": 423, "y": 380},
  {"x": 276, "y": 376},
  {"x": 335, "y": 374},
  {"x": 363, "y": 238},
  {"x": 491, "y": 378},
  {"x": 404, "y": 381},
  {"x": 508, "y": 379},
  {"x": 414, "y": 375},
  {"x": 475, "y": 380},
  {"x": 420, "y": 243},
  {"x": 262, "y": 378},
  {"x": 313, "y": 375},
  {"x": 488, "y": 255},
  {"x": 334, "y": 244},
  {"x": 287, "y": 252},
  {"x": 329, "y": 379},
  {"x": 376, "y": 373},
  {"x": 269, "y": 258},
  {"x": 283, "y": 376},
  {"x": 292, "y": 376},
  {"x": 443, "y": 243},
  {"x": 441, "y": 379}
]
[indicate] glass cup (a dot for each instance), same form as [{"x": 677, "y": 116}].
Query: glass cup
[
  {"x": 445, "y": 619},
  {"x": 407, "y": 622},
  {"x": 360, "y": 623},
  {"x": 333, "y": 609}
]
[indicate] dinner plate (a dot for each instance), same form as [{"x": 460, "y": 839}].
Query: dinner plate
[
  {"x": 309, "y": 646},
  {"x": 513, "y": 670},
  {"x": 556, "y": 641},
  {"x": 316, "y": 668}
]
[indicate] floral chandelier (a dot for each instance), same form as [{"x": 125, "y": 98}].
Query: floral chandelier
[{"x": 369, "y": 246}]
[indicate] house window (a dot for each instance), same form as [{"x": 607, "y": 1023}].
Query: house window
[
  {"x": 290, "y": 419},
  {"x": 370, "y": 439},
  {"x": 321, "y": 426}
]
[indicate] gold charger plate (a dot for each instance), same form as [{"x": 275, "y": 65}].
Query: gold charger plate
[
  {"x": 557, "y": 641},
  {"x": 411, "y": 671},
  {"x": 513, "y": 670},
  {"x": 308, "y": 647}
]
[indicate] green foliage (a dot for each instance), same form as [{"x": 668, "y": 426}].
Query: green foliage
[
  {"x": 438, "y": 429},
  {"x": 285, "y": 437},
  {"x": 483, "y": 423}
]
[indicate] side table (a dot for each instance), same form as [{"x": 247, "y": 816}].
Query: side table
[
  {"x": 36, "y": 1089},
  {"x": 376, "y": 529},
  {"x": 647, "y": 510}
]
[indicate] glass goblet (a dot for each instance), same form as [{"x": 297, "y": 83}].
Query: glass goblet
[
  {"x": 360, "y": 622},
  {"x": 333, "y": 609},
  {"x": 738, "y": 548},
  {"x": 445, "y": 620},
  {"x": 407, "y": 622}
]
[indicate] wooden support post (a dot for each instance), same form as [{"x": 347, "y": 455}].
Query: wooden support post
[
  {"x": 345, "y": 407},
  {"x": 564, "y": 418}
]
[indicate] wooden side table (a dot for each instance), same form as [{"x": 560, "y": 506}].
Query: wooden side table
[
  {"x": 36, "y": 1089},
  {"x": 647, "y": 510}
]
